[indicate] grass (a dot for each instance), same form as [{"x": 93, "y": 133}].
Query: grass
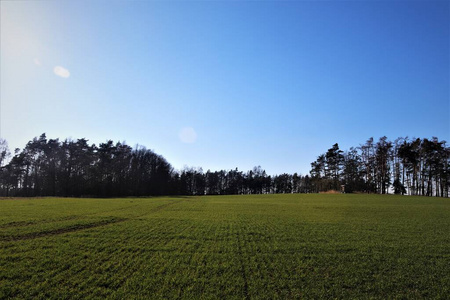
[{"x": 234, "y": 247}]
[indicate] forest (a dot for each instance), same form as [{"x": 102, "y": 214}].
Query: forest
[{"x": 75, "y": 168}]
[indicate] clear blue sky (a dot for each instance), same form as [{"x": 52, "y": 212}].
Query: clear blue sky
[{"x": 226, "y": 84}]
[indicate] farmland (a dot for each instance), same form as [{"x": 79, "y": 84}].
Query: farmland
[{"x": 254, "y": 247}]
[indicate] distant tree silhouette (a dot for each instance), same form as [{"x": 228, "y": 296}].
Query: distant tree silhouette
[{"x": 50, "y": 167}]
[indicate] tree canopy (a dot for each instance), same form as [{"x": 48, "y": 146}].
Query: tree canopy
[{"x": 51, "y": 167}]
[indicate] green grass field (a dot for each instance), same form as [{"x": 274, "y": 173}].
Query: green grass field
[{"x": 241, "y": 247}]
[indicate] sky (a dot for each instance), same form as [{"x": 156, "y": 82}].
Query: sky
[{"x": 225, "y": 84}]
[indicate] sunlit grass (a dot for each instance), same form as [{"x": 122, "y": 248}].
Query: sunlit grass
[{"x": 269, "y": 246}]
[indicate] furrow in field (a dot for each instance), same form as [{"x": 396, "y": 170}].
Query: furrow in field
[
  {"x": 35, "y": 222},
  {"x": 242, "y": 266},
  {"x": 82, "y": 223},
  {"x": 73, "y": 228}
]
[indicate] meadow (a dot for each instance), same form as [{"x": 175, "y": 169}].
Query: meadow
[{"x": 292, "y": 246}]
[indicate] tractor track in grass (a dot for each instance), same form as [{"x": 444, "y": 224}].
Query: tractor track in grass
[
  {"x": 73, "y": 228},
  {"x": 242, "y": 264},
  {"x": 80, "y": 227}
]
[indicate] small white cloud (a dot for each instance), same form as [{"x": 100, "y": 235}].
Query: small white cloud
[
  {"x": 61, "y": 72},
  {"x": 37, "y": 62},
  {"x": 188, "y": 135}
]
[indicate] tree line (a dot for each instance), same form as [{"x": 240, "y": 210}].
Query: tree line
[
  {"x": 75, "y": 168},
  {"x": 405, "y": 166}
]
